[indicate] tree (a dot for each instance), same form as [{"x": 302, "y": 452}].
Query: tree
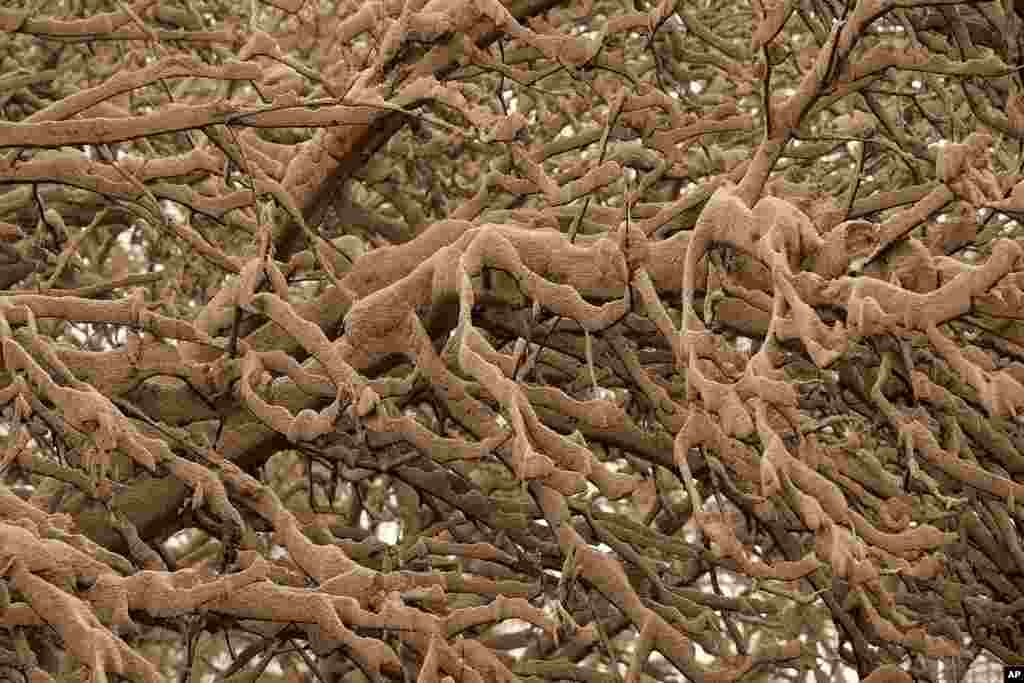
[{"x": 457, "y": 340}]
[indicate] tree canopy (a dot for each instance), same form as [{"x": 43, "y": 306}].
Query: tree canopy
[{"x": 467, "y": 340}]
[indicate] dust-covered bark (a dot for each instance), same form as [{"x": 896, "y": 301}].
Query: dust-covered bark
[{"x": 460, "y": 340}]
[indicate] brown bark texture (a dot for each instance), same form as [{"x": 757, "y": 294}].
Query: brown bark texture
[{"x": 469, "y": 340}]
